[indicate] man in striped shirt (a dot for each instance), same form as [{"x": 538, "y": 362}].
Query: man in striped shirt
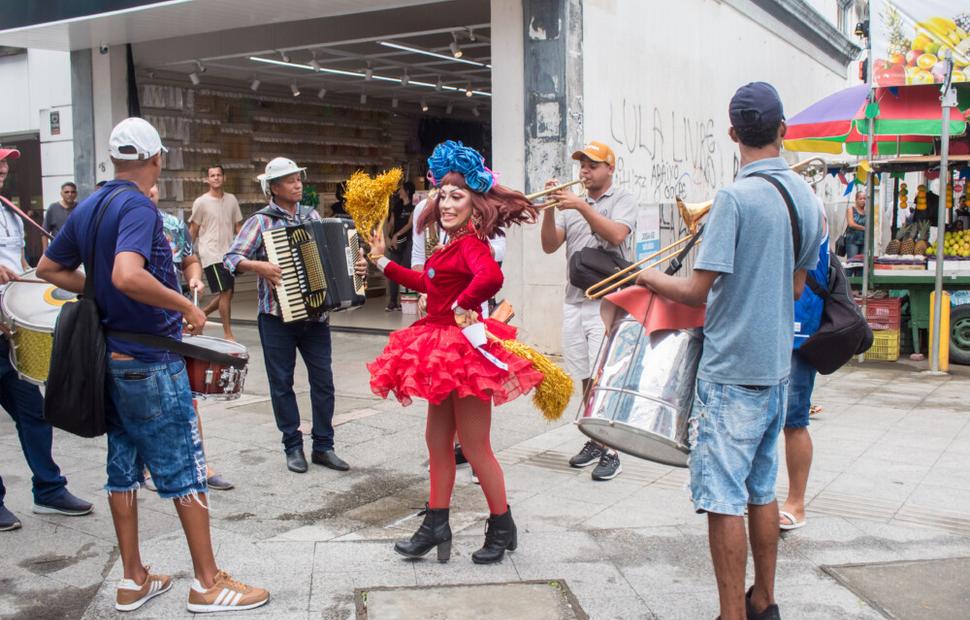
[{"x": 283, "y": 185}]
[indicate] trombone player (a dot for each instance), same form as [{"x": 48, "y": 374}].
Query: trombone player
[
  {"x": 605, "y": 217},
  {"x": 748, "y": 271}
]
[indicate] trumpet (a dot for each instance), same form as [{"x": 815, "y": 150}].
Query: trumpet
[
  {"x": 813, "y": 169},
  {"x": 552, "y": 190}
]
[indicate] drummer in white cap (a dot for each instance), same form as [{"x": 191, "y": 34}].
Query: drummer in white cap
[{"x": 22, "y": 400}]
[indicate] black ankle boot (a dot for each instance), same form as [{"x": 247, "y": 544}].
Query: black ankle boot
[
  {"x": 500, "y": 535},
  {"x": 434, "y": 532}
]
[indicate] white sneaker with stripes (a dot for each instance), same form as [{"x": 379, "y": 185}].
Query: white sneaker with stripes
[{"x": 226, "y": 594}]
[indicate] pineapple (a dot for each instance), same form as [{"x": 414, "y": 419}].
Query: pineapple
[
  {"x": 893, "y": 246},
  {"x": 924, "y": 238},
  {"x": 898, "y": 43},
  {"x": 908, "y": 246}
]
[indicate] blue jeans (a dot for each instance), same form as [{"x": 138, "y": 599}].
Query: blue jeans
[
  {"x": 152, "y": 423},
  {"x": 734, "y": 439},
  {"x": 280, "y": 343},
  {"x": 22, "y": 400},
  {"x": 801, "y": 385}
]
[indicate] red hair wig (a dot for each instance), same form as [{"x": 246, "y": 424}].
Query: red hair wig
[{"x": 498, "y": 208}]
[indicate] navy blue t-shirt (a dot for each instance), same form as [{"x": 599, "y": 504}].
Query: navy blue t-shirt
[{"x": 131, "y": 223}]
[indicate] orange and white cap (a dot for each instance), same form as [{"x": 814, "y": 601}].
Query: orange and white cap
[{"x": 597, "y": 151}]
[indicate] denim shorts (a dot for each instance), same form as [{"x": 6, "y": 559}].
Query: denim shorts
[
  {"x": 734, "y": 438},
  {"x": 151, "y": 422},
  {"x": 802, "y": 382}
]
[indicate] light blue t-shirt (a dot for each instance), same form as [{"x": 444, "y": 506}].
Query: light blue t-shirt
[{"x": 748, "y": 328}]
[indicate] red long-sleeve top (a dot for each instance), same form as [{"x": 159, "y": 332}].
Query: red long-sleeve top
[{"x": 463, "y": 271}]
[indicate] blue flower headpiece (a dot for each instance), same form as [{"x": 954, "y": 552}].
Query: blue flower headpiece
[{"x": 451, "y": 156}]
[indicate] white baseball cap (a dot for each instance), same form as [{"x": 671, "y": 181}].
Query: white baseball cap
[
  {"x": 277, "y": 168},
  {"x": 135, "y": 138}
]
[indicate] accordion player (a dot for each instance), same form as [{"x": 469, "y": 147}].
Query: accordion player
[{"x": 317, "y": 263}]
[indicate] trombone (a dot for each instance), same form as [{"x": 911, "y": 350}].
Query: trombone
[
  {"x": 813, "y": 169},
  {"x": 552, "y": 190},
  {"x": 692, "y": 214}
]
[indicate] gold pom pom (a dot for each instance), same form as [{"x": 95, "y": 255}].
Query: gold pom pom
[
  {"x": 366, "y": 198},
  {"x": 553, "y": 393}
]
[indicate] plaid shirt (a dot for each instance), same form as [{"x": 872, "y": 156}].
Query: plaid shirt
[{"x": 248, "y": 245}]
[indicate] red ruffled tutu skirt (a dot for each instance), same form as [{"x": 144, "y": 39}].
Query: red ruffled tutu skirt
[{"x": 431, "y": 360}]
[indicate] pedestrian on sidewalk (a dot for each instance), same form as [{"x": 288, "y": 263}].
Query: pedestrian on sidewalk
[
  {"x": 798, "y": 443},
  {"x": 445, "y": 357},
  {"x": 214, "y": 222},
  {"x": 742, "y": 380},
  {"x": 604, "y": 218},
  {"x": 282, "y": 184},
  {"x": 57, "y": 212},
  {"x": 117, "y": 234},
  {"x": 21, "y": 399}
]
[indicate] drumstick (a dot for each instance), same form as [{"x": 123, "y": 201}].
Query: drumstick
[{"x": 26, "y": 218}]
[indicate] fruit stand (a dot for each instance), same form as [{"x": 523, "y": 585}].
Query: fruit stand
[{"x": 908, "y": 262}]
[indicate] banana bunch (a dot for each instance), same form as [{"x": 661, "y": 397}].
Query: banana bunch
[{"x": 946, "y": 33}]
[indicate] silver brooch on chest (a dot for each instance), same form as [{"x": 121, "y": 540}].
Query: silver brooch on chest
[{"x": 431, "y": 273}]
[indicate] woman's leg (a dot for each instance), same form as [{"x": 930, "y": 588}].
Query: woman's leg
[
  {"x": 439, "y": 434},
  {"x": 474, "y": 421}
]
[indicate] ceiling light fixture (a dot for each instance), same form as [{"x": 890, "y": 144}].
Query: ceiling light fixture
[
  {"x": 315, "y": 63},
  {"x": 194, "y": 77},
  {"x": 450, "y": 107},
  {"x": 368, "y": 73},
  {"x": 284, "y": 57},
  {"x": 468, "y": 90},
  {"x": 199, "y": 66},
  {"x": 424, "y": 105},
  {"x": 321, "y": 93},
  {"x": 418, "y": 50},
  {"x": 439, "y": 85},
  {"x": 455, "y": 50},
  {"x": 471, "y": 35},
  {"x": 393, "y": 102},
  {"x": 475, "y": 111},
  {"x": 254, "y": 85},
  {"x": 294, "y": 89},
  {"x": 363, "y": 98},
  {"x": 403, "y": 81}
]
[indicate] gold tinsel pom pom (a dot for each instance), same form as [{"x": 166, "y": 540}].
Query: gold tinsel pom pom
[
  {"x": 366, "y": 198},
  {"x": 552, "y": 395}
]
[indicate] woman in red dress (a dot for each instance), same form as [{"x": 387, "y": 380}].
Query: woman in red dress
[{"x": 446, "y": 358}]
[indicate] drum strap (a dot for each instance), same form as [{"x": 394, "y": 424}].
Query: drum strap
[{"x": 182, "y": 348}]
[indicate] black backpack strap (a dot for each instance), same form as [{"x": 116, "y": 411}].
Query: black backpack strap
[
  {"x": 102, "y": 209},
  {"x": 796, "y": 233},
  {"x": 180, "y": 347}
]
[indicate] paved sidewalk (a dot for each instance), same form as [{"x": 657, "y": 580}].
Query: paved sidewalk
[{"x": 890, "y": 483}]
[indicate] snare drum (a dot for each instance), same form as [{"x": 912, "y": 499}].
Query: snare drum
[
  {"x": 212, "y": 379},
  {"x": 643, "y": 390},
  {"x": 30, "y": 310}
]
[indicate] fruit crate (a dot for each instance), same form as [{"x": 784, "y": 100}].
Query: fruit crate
[
  {"x": 883, "y": 314},
  {"x": 885, "y": 346}
]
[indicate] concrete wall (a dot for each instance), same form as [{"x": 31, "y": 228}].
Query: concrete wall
[
  {"x": 35, "y": 84},
  {"x": 656, "y": 81}
]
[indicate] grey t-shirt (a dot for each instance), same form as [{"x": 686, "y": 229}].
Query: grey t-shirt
[
  {"x": 54, "y": 217},
  {"x": 616, "y": 204},
  {"x": 749, "y": 325}
]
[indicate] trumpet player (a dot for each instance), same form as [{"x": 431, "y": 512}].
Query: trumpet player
[
  {"x": 743, "y": 377},
  {"x": 605, "y": 217}
]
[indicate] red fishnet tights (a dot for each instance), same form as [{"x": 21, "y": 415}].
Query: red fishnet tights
[{"x": 471, "y": 418}]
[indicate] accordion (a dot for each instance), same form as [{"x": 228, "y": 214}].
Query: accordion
[{"x": 317, "y": 260}]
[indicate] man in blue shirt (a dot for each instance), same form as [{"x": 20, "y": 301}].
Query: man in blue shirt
[
  {"x": 117, "y": 234},
  {"x": 747, "y": 272}
]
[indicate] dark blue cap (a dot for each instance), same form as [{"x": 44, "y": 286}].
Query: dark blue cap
[{"x": 756, "y": 104}]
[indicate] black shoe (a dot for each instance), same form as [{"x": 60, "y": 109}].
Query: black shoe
[
  {"x": 608, "y": 467},
  {"x": 218, "y": 483},
  {"x": 329, "y": 458},
  {"x": 434, "y": 532},
  {"x": 770, "y": 612},
  {"x": 459, "y": 455},
  {"x": 500, "y": 535},
  {"x": 64, "y": 504},
  {"x": 8, "y": 520},
  {"x": 587, "y": 456},
  {"x": 296, "y": 461}
]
